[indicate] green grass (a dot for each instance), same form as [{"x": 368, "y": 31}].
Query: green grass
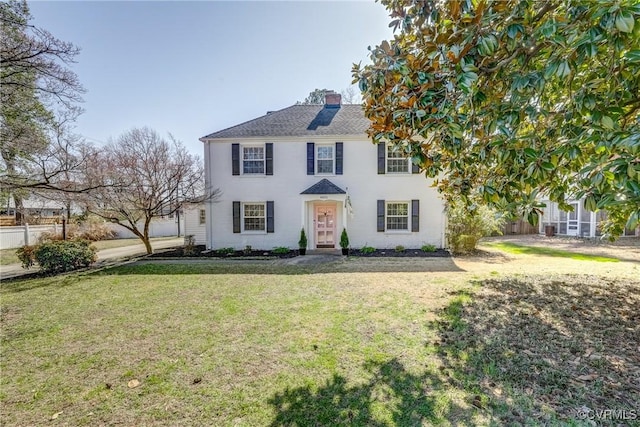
[
  {"x": 536, "y": 250},
  {"x": 8, "y": 257},
  {"x": 217, "y": 344},
  {"x": 224, "y": 349}
]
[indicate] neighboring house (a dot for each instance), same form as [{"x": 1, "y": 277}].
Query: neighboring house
[
  {"x": 313, "y": 167},
  {"x": 580, "y": 222},
  {"x": 36, "y": 210}
]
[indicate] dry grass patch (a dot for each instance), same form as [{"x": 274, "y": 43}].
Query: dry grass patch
[{"x": 538, "y": 349}]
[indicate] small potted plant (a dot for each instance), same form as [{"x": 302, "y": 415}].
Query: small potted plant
[
  {"x": 344, "y": 242},
  {"x": 302, "y": 243}
]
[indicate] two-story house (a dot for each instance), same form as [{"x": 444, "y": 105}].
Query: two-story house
[{"x": 313, "y": 167}]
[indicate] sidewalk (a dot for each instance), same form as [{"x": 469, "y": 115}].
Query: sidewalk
[{"x": 104, "y": 256}]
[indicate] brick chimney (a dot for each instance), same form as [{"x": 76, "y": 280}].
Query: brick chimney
[{"x": 332, "y": 99}]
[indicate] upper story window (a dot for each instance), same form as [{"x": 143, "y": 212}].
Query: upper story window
[
  {"x": 396, "y": 160},
  {"x": 253, "y": 160},
  {"x": 324, "y": 159}
]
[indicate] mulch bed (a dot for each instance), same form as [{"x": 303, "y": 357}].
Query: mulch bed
[
  {"x": 407, "y": 253},
  {"x": 200, "y": 251}
]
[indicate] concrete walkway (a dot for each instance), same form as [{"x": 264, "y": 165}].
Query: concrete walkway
[{"x": 105, "y": 256}]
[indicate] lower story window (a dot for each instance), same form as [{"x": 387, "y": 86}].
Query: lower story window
[
  {"x": 202, "y": 216},
  {"x": 254, "y": 216},
  {"x": 397, "y": 216}
]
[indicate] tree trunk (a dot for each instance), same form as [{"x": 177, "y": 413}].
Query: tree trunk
[
  {"x": 147, "y": 244},
  {"x": 17, "y": 200},
  {"x": 145, "y": 237}
]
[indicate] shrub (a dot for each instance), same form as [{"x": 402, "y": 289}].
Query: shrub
[
  {"x": 225, "y": 251},
  {"x": 400, "y": 248},
  {"x": 281, "y": 250},
  {"x": 302, "y": 243},
  {"x": 468, "y": 224},
  {"x": 428, "y": 248},
  {"x": 367, "y": 249},
  {"x": 66, "y": 255},
  {"x": 344, "y": 239},
  {"x": 26, "y": 255},
  {"x": 247, "y": 250}
]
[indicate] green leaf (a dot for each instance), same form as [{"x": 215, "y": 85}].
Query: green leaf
[
  {"x": 625, "y": 22},
  {"x": 633, "y": 55},
  {"x": 607, "y": 122}
]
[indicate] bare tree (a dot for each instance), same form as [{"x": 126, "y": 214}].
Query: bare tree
[
  {"x": 37, "y": 92},
  {"x": 317, "y": 96},
  {"x": 141, "y": 176},
  {"x": 350, "y": 95}
]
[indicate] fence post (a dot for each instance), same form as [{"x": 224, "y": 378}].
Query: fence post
[
  {"x": 26, "y": 234},
  {"x": 64, "y": 229}
]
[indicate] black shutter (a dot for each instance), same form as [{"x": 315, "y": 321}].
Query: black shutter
[
  {"x": 415, "y": 168},
  {"x": 235, "y": 159},
  {"x": 339, "y": 156},
  {"x": 380, "y": 215},
  {"x": 310, "y": 157},
  {"x": 236, "y": 217},
  {"x": 415, "y": 215},
  {"x": 270, "y": 225},
  {"x": 268, "y": 151},
  {"x": 382, "y": 153}
]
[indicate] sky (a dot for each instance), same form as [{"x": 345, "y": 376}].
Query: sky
[{"x": 192, "y": 68}]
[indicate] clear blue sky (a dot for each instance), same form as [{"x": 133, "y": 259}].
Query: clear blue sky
[{"x": 191, "y": 68}]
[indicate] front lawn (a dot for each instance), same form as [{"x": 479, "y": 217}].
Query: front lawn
[{"x": 301, "y": 345}]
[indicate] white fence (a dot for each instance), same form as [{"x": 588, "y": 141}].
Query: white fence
[{"x": 14, "y": 237}]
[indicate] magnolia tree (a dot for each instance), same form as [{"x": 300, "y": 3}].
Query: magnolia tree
[
  {"x": 512, "y": 101},
  {"x": 140, "y": 176}
]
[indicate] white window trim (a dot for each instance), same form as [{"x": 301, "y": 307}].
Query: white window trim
[
  {"x": 333, "y": 159},
  {"x": 386, "y": 216},
  {"x": 243, "y": 231},
  {"x": 386, "y": 162},
  {"x": 264, "y": 159}
]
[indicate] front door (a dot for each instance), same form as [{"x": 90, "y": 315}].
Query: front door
[
  {"x": 325, "y": 222},
  {"x": 572, "y": 220}
]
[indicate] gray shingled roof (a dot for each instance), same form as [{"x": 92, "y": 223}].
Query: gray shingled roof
[
  {"x": 324, "y": 187},
  {"x": 301, "y": 120}
]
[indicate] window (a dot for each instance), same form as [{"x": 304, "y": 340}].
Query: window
[
  {"x": 253, "y": 216},
  {"x": 396, "y": 161},
  {"x": 324, "y": 159},
  {"x": 202, "y": 216},
  {"x": 397, "y": 216},
  {"x": 253, "y": 160}
]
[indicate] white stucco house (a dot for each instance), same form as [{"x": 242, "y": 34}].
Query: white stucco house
[{"x": 312, "y": 167}]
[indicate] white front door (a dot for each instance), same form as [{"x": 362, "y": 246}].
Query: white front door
[
  {"x": 325, "y": 224},
  {"x": 572, "y": 220}
]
